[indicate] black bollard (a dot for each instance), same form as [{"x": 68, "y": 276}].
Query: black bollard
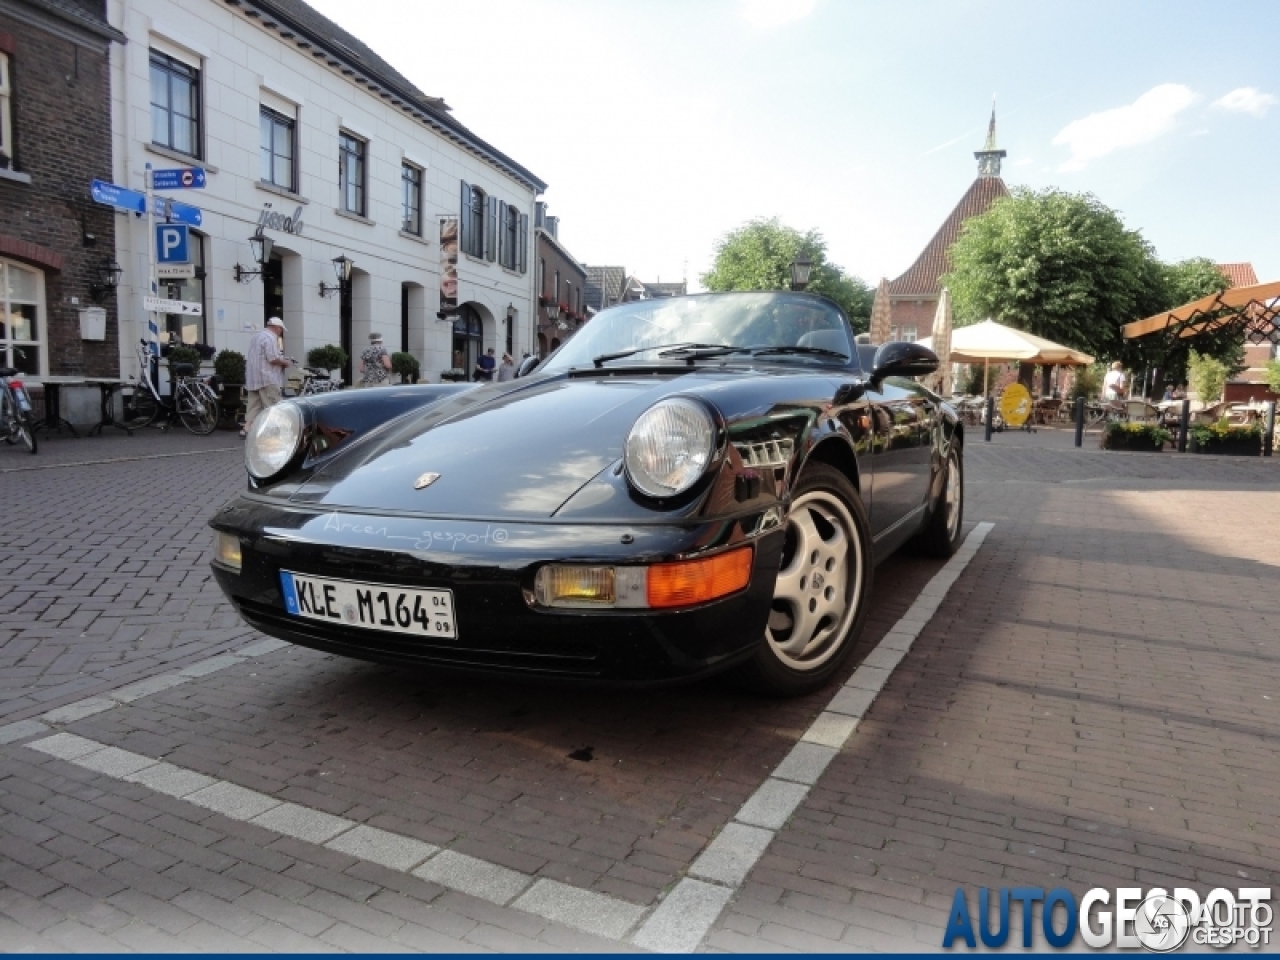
[
  {"x": 1079, "y": 421},
  {"x": 1268, "y": 428},
  {"x": 1183, "y": 424},
  {"x": 991, "y": 415}
]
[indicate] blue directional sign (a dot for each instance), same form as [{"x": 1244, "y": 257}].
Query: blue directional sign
[
  {"x": 117, "y": 196},
  {"x": 183, "y": 178},
  {"x": 171, "y": 243},
  {"x": 175, "y": 212}
]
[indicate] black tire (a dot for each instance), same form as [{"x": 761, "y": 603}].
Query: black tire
[
  {"x": 198, "y": 414},
  {"x": 26, "y": 431},
  {"x": 139, "y": 408},
  {"x": 940, "y": 536},
  {"x": 788, "y": 663}
]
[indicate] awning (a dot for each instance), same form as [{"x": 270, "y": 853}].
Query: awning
[{"x": 1251, "y": 308}]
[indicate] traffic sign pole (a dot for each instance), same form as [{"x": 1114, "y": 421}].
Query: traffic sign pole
[{"x": 153, "y": 325}]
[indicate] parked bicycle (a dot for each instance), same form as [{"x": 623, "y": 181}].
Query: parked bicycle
[
  {"x": 194, "y": 399},
  {"x": 17, "y": 424},
  {"x": 315, "y": 380}
]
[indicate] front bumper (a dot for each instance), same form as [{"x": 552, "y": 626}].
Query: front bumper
[{"x": 490, "y": 569}]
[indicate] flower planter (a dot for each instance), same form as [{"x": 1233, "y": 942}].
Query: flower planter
[
  {"x": 1140, "y": 443},
  {"x": 1235, "y": 447}
]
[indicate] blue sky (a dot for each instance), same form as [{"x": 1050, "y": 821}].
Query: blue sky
[{"x": 660, "y": 125}]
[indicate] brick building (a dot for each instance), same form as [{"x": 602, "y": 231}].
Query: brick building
[
  {"x": 561, "y": 282},
  {"x": 913, "y": 297},
  {"x": 55, "y": 137}
]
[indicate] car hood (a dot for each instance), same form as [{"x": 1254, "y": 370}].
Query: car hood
[{"x": 502, "y": 451}]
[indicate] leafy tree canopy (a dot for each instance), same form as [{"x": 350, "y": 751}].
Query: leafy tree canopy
[
  {"x": 758, "y": 256},
  {"x": 1063, "y": 266}
]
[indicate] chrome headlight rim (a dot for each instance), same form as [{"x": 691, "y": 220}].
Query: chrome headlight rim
[
  {"x": 712, "y": 449},
  {"x": 279, "y": 429}
]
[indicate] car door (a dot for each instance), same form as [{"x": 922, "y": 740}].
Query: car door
[{"x": 902, "y": 460}]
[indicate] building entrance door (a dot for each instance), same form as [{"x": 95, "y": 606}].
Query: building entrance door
[
  {"x": 466, "y": 339},
  {"x": 272, "y": 289}
]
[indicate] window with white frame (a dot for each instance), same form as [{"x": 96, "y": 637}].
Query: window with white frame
[
  {"x": 351, "y": 172},
  {"x": 904, "y": 333},
  {"x": 277, "y": 149},
  {"x": 175, "y": 104},
  {"x": 6, "y": 115},
  {"x": 21, "y": 318},
  {"x": 411, "y": 199},
  {"x": 510, "y": 237},
  {"x": 475, "y": 236}
]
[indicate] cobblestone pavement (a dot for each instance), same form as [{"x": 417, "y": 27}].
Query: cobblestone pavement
[{"x": 1104, "y": 653}]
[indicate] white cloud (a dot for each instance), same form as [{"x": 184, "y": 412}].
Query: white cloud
[
  {"x": 1150, "y": 116},
  {"x": 767, "y": 14},
  {"x": 1246, "y": 100}
]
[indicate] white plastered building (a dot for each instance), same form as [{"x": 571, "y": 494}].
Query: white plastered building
[{"x": 290, "y": 115}]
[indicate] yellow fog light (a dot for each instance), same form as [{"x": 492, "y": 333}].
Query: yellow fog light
[
  {"x": 560, "y": 585},
  {"x": 228, "y": 550}
]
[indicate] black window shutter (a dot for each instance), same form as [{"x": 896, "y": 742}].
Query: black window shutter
[
  {"x": 491, "y": 231},
  {"x": 502, "y": 233},
  {"x": 464, "y": 219},
  {"x": 524, "y": 243}
]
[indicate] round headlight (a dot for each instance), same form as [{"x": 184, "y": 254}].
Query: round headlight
[
  {"x": 273, "y": 440},
  {"x": 669, "y": 447}
]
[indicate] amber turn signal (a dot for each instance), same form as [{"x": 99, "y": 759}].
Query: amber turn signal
[{"x": 698, "y": 581}]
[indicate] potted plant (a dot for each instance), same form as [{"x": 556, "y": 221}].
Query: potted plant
[
  {"x": 405, "y": 364},
  {"x": 228, "y": 365},
  {"x": 1227, "y": 439},
  {"x": 1147, "y": 437},
  {"x": 327, "y": 358},
  {"x": 181, "y": 353}
]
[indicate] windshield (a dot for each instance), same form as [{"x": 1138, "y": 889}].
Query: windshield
[{"x": 813, "y": 329}]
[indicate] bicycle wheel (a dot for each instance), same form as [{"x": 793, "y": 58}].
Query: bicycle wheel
[
  {"x": 198, "y": 413},
  {"x": 25, "y": 430},
  {"x": 139, "y": 408}
]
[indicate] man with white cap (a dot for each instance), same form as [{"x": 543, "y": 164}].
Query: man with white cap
[{"x": 264, "y": 368}]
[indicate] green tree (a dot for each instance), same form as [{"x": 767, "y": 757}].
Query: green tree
[{"x": 758, "y": 256}]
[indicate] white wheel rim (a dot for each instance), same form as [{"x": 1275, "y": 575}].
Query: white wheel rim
[
  {"x": 819, "y": 585},
  {"x": 952, "y": 494}
]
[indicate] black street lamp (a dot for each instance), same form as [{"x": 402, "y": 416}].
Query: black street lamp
[
  {"x": 342, "y": 270},
  {"x": 109, "y": 274},
  {"x": 261, "y": 246},
  {"x": 342, "y": 265},
  {"x": 801, "y": 267}
]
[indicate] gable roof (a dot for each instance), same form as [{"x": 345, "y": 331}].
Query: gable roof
[
  {"x": 300, "y": 23},
  {"x": 1240, "y": 274},
  {"x": 603, "y": 286},
  {"x": 921, "y": 280}
]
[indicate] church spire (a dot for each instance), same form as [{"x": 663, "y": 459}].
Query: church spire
[{"x": 990, "y": 155}]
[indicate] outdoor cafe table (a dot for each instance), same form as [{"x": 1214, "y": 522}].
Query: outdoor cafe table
[
  {"x": 107, "y": 418},
  {"x": 52, "y": 387}
]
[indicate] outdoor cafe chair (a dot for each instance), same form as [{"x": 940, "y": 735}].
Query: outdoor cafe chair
[
  {"x": 1140, "y": 411},
  {"x": 1210, "y": 414}
]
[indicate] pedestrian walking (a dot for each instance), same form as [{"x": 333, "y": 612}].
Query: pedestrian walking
[
  {"x": 506, "y": 369},
  {"x": 375, "y": 363},
  {"x": 264, "y": 368},
  {"x": 1115, "y": 385}
]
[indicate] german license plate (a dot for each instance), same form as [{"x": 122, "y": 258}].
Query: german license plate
[{"x": 371, "y": 606}]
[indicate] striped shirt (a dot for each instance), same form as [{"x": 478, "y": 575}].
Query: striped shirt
[{"x": 259, "y": 371}]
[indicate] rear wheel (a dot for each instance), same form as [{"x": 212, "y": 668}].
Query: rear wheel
[
  {"x": 139, "y": 407},
  {"x": 198, "y": 413},
  {"x": 941, "y": 534},
  {"x": 25, "y": 431},
  {"x": 823, "y": 587}
]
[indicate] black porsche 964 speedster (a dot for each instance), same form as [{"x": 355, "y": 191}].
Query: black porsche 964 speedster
[{"x": 688, "y": 485}]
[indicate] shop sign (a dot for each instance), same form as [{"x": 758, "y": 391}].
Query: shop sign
[{"x": 271, "y": 220}]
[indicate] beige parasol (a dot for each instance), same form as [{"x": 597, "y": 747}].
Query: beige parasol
[
  {"x": 941, "y": 340},
  {"x": 881, "y": 314},
  {"x": 988, "y": 340}
]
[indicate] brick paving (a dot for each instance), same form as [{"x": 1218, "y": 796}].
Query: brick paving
[{"x": 1088, "y": 665}]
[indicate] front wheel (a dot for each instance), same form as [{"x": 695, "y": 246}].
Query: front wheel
[
  {"x": 823, "y": 588},
  {"x": 25, "y": 430}
]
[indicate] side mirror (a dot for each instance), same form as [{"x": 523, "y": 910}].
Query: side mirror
[
  {"x": 900, "y": 359},
  {"x": 527, "y": 365}
]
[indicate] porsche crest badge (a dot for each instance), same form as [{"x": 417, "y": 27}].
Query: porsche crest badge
[{"x": 426, "y": 480}]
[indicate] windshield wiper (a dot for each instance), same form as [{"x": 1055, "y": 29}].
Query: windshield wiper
[
  {"x": 666, "y": 348},
  {"x": 814, "y": 351}
]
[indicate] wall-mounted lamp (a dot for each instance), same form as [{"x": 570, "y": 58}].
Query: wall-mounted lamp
[
  {"x": 109, "y": 273},
  {"x": 342, "y": 270},
  {"x": 261, "y": 246}
]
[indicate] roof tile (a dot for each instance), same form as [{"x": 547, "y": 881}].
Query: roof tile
[{"x": 921, "y": 280}]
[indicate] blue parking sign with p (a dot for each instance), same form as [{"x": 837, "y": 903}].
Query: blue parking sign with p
[{"x": 171, "y": 243}]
